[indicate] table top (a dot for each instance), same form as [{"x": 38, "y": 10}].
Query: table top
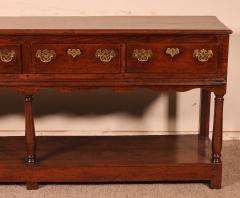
[{"x": 113, "y": 24}]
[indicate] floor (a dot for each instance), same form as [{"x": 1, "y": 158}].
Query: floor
[{"x": 231, "y": 185}]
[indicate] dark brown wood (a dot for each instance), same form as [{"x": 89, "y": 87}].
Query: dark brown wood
[
  {"x": 217, "y": 141},
  {"x": 113, "y": 24},
  {"x": 62, "y": 65},
  {"x": 106, "y": 159},
  {"x": 217, "y": 129},
  {"x": 204, "y": 113},
  {"x": 87, "y": 62},
  {"x": 15, "y": 65},
  {"x": 32, "y": 185},
  {"x": 181, "y": 63},
  {"x": 30, "y": 131},
  {"x": 216, "y": 181}
]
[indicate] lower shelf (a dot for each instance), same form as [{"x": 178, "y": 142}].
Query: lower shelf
[{"x": 108, "y": 159}]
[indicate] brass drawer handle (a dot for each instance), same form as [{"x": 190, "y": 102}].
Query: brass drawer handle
[
  {"x": 105, "y": 55},
  {"x": 74, "y": 52},
  {"x": 172, "y": 51},
  {"x": 7, "y": 56},
  {"x": 142, "y": 55},
  {"x": 202, "y": 55},
  {"x": 45, "y": 55}
]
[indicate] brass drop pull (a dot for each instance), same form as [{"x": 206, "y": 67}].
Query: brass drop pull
[
  {"x": 45, "y": 55},
  {"x": 202, "y": 55},
  {"x": 74, "y": 52},
  {"x": 6, "y": 55},
  {"x": 105, "y": 55},
  {"x": 142, "y": 55},
  {"x": 172, "y": 51}
]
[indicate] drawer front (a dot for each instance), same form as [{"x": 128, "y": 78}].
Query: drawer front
[
  {"x": 192, "y": 58},
  {"x": 10, "y": 59},
  {"x": 75, "y": 58}
]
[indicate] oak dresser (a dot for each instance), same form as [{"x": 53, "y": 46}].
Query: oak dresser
[{"x": 119, "y": 53}]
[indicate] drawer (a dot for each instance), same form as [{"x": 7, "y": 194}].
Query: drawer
[
  {"x": 10, "y": 58},
  {"x": 192, "y": 58},
  {"x": 75, "y": 58}
]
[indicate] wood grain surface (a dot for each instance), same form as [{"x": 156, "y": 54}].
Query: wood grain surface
[{"x": 111, "y": 24}]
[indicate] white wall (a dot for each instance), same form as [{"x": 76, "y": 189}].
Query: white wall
[{"x": 142, "y": 110}]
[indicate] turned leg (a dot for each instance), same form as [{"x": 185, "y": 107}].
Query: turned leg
[
  {"x": 204, "y": 113},
  {"x": 30, "y": 138},
  {"x": 30, "y": 131},
  {"x": 217, "y": 141}
]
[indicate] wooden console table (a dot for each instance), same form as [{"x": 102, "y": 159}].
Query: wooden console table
[{"x": 120, "y": 53}]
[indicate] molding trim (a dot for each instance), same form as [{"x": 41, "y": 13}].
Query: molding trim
[{"x": 227, "y": 135}]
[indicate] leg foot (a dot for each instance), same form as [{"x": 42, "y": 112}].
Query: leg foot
[
  {"x": 216, "y": 182},
  {"x": 32, "y": 185}
]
